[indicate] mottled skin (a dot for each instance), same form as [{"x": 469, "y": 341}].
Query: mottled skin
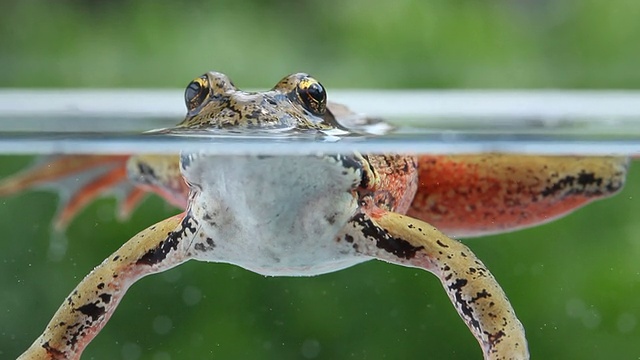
[
  {"x": 473, "y": 195},
  {"x": 294, "y": 215}
]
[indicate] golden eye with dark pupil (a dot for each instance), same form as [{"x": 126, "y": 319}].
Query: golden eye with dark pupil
[
  {"x": 312, "y": 95},
  {"x": 197, "y": 92}
]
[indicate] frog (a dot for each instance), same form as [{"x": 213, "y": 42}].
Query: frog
[{"x": 312, "y": 214}]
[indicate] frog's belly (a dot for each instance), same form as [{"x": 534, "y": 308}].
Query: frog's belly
[{"x": 274, "y": 215}]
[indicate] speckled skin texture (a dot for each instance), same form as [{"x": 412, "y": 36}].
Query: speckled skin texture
[
  {"x": 296, "y": 216},
  {"x": 285, "y": 107},
  {"x": 88, "y": 308},
  {"x": 472, "y": 289},
  {"x": 479, "y": 194}
]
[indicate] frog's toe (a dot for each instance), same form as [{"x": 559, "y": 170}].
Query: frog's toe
[
  {"x": 86, "y": 194},
  {"x": 130, "y": 202}
]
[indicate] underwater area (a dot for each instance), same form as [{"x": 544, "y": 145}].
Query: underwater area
[
  {"x": 571, "y": 275},
  {"x": 85, "y": 77}
]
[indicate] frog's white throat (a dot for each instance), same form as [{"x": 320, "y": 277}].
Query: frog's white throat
[{"x": 275, "y": 215}]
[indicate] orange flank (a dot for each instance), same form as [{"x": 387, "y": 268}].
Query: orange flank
[{"x": 473, "y": 195}]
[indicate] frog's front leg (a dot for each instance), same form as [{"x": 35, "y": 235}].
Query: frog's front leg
[
  {"x": 88, "y": 308},
  {"x": 476, "y": 295}
]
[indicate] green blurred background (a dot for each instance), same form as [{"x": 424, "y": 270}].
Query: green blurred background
[{"x": 574, "y": 283}]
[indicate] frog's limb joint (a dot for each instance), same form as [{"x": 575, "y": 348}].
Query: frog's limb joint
[
  {"x": 476, "y": 295},
  {"x": 159, "y": 174},
  {"x": 88, "y": 308}
]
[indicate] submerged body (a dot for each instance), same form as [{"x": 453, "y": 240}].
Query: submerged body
[
  {"x": 308, "y": 215},
  {"x": 291, "y": 220}
]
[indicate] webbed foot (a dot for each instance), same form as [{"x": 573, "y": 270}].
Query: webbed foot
[{"x": 99, "y": 174}]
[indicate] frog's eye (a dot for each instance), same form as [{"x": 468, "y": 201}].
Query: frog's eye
[
  {"x": 197, "y": 92},
  {"x": 312, "y": 95}
]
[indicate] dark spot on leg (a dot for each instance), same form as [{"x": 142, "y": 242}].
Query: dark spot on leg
[
  {"x": 481, "y": 295},
  {"x": 456, "y": 289},
  {"x": 494, "y": 339},
  {"x": 106, "y": 298},
  {"x": 147, "y": 173},
  {"x": 92, "y": 310},
  {"x": 398, "y": 247},
  {"x": 159, "y": 253},
  {"x": 210, "y": 242},
  {"x": 331, "y": 219},
  {"x": 53, "y": 353},
  {"x": 441, "y": 244}
]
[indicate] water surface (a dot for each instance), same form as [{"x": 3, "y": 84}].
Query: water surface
[
  {"x": 107, "y": 122},
  {"x": 573, "y": 282}
]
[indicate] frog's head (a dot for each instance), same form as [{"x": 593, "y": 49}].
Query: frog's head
[{"x": 297, "y": 102}]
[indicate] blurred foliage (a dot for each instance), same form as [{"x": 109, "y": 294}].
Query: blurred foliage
[
  {"x": 405, "y": 43},
  {"x": 573, "y": 282}
]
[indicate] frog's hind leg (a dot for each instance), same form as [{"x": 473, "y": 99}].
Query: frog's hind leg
[
  {"x": 477, "y": 194},
  {"x": 56, "y": 169},
  {"x": 99, "y": 175},
  {"x": 90, "y": 305},
  {"x": 159, "y": 174},
  {"x": 96, "y": 173},
  {"x": 474, "y": 292}
]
